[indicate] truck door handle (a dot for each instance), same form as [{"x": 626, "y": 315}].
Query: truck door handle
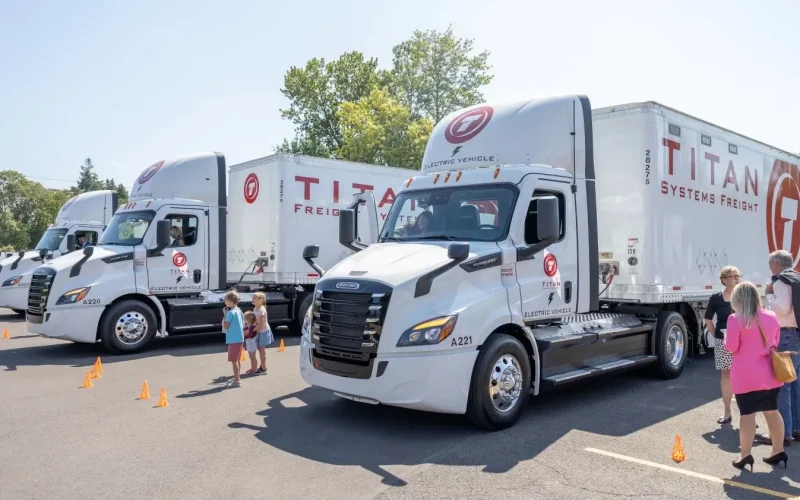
[
  {"x": 567, "y": 291},
  {"x": 198, "y": 274}
]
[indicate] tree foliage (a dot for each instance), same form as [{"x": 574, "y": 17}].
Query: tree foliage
[
  {"x": 379, "y": 130},
  {"x": 350, "y": 109}
]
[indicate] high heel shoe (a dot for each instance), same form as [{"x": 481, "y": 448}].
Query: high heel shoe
[
  {"x": 741, "y": 464},
  {"x": 777, "y": 458}
]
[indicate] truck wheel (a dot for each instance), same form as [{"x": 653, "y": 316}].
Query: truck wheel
[
  {"x": 128, "y": 327},
  {"x": 672, "y": 342},
  {"x": 500, "y": 385},
  {"x": 300, "y": 314}
]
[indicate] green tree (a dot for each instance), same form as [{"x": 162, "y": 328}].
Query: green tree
[
  {"x": 436, "y": 73},
  {"x": 316, "y": 92},
  {"x": 88, "y": 179},
  {"x": 26, "y": 209},
  {"x": 377, "y": 129}
]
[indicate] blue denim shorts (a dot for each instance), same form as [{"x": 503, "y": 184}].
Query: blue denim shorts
[{"x": 265, "y": 338}]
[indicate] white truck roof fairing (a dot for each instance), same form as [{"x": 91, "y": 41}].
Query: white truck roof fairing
[
  {"x": 552, "y": 131},
  {"x": 94, "y": 206},
  {"x": 199, "y": 176}
]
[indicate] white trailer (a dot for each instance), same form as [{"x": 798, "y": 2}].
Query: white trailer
[
  {"x": 171, "y": 253},
  {"x": 83, "y": 215},
  {"x": 560, "y": 244}
]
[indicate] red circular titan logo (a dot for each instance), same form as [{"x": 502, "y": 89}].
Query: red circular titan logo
[
  {"x": 783, "y": 202},
  {"x": 149, "y": 172},
  {"x": 550, "y": 265},
  {"x": 179, "y": 259},
  {"x": 468, "y": 124},
  {"x": 251, "y": 188}
]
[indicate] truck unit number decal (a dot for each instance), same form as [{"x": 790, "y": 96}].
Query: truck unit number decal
[
  {"x": 646, "y": 167},
  {"x": 461, "y": 341},
  {"x": 91, "y": 301},
  {"x": 281, "y": 190}
]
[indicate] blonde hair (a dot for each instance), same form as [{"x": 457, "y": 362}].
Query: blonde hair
[
  {"x": 262, "y": 297},
  {"x": 725, "y": 271},
  {"x": 232, "y": 297},
  {"x": 746, "y": 302},
  {"x": 249, "y": 317}
]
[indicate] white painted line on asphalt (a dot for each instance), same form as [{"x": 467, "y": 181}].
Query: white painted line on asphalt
[{"x": 697, "y": 475}]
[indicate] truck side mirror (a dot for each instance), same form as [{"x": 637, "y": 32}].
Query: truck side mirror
[
  {"x": 547, "y": 219},
  {"x": 347, "y": 229},
  {"x": 42, "y": 253},
  {"x": 162, "y": 233},
  {"x": 70, "y": 243},
  {"x": 458, "y": 251},
  {"x": 310, "y": 253}
]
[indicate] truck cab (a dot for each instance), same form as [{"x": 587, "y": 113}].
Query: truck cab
[
  {"x": 483, "y": 285},
  {"x": 81, "y": 219}
]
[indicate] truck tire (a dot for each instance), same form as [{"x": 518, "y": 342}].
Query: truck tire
[
  {"x": 500, "y": 385},
  {"x": 672, "y": 344},
  {"x": 296, "y": 327},
  {"x": 128, "y": 327}
]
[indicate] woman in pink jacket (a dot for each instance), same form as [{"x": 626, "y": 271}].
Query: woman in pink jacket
[{"x": 752, "y": 333}]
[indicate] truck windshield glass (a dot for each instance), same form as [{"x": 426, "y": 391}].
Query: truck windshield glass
[
  {"x": 469, "y": 213},
  {"x": 51, "y": 239},
  {"x": 127, "y": 228}
]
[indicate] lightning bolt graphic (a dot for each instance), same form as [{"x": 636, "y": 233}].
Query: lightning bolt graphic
[
  {"x": 455, "y": 151},
  {"x": 549, "y": 300}
]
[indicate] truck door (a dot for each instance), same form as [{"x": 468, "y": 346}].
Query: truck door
[
  {"x": 548, "y": 279},
  {"x": 182, "y": 266}
]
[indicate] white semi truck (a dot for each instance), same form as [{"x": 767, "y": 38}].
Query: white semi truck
[
  {"x": 83, "y": 215},
  {"x": 558, "y": 244},
  {"x": 171, "y": 253}
]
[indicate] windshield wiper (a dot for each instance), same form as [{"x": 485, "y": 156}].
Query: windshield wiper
[{"x": 437, "y": 237}]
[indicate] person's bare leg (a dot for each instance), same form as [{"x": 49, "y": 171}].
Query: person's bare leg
[
  {"x": 237, "y": 368},
  {"x": 253, "y": 365},
  {"x": 262, "y": 353},
  {"x": 747, "y": 431},
  {"x": 727, "y": 393},
  {"x": 775, "y": 424}
]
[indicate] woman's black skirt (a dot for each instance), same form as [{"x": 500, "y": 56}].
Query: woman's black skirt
[{"x": 756, "y": 401}]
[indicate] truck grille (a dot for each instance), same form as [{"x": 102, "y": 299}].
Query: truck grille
[
  {"x": 41, "y": 281},
  {"x": 346, "y": 329}
]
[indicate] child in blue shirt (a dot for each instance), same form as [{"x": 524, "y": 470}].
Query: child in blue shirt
[{"x": 233, "y": 326}]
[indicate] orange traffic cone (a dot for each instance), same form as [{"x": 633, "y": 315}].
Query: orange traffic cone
[
  {"x": 87, "y": 380},
  {"x": 677, "y": 450},
  {"x": 282, "y": 347},
  {"x": 162, "y": 399},
  {"x": 243, "y": 357},
  {"x": 145, "y": 394},
  {"x": 95, "y": 372},
  {"x": 98, "y": 365},
  {"x": 6, "y": 335}
]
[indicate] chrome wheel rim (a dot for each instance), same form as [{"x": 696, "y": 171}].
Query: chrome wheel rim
[
  {"x": 131, "y": 327},
  {"x": 505, "y": 383},
  {"x": 675, "y": 345}
]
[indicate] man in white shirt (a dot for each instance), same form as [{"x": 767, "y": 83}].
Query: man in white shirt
[{"x": 782, "y": 295}]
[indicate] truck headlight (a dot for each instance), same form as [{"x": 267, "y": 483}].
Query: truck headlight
[
  {"x": 306, "y": 330},
  {"x": 73, "y": 296},
  {"x": 430, "y": 332},
  {"x": 12, "y": 281}
]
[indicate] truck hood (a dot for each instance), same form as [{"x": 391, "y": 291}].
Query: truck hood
[
  {"x": 395, "y": 263},
  {"x": 70, "y": 259},
  {"x": 25, "y": 265}
]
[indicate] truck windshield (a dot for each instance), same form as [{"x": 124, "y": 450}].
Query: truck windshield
[
  {"x": 464, "y": 213},
  {"x": 51, "y": 239},
  {"x": 127, "y": 228}
]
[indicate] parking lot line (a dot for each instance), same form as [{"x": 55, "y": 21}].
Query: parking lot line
[{"x": 697, "y": 475}]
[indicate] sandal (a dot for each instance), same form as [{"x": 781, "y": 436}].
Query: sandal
[
  {"x": 250, "y": 372},
  {"x": 723, "y": 421}
]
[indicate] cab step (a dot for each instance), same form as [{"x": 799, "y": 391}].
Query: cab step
[{"x": 596, "y": 370}]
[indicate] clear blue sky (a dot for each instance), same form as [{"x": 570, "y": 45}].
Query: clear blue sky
[{"x": 129, "y": 83}]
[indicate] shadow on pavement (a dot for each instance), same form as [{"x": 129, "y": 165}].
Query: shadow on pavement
[
  {"x": 342, "y": 432},
  {"x": 84, "y": 355},
  {"x": 11, "y": 318}
]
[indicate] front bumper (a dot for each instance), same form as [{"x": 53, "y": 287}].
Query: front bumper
[
  {"x": 76, "y": 324},
  {"x": 430, "y": 382},
  {"x": 14, "y": 297}
]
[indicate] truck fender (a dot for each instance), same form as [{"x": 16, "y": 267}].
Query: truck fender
[
  {"x": 537, "y": 366},
  {"x": 162, "y": 315}
]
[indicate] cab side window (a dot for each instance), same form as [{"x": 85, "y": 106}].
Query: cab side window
[
  {"x": 183, "y": 230},
  {"x": 531, "y": 237},
  {"x": 91, "y": 239}
]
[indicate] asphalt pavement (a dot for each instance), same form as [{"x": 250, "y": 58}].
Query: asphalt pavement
[{"x": 275, "y": 437}]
